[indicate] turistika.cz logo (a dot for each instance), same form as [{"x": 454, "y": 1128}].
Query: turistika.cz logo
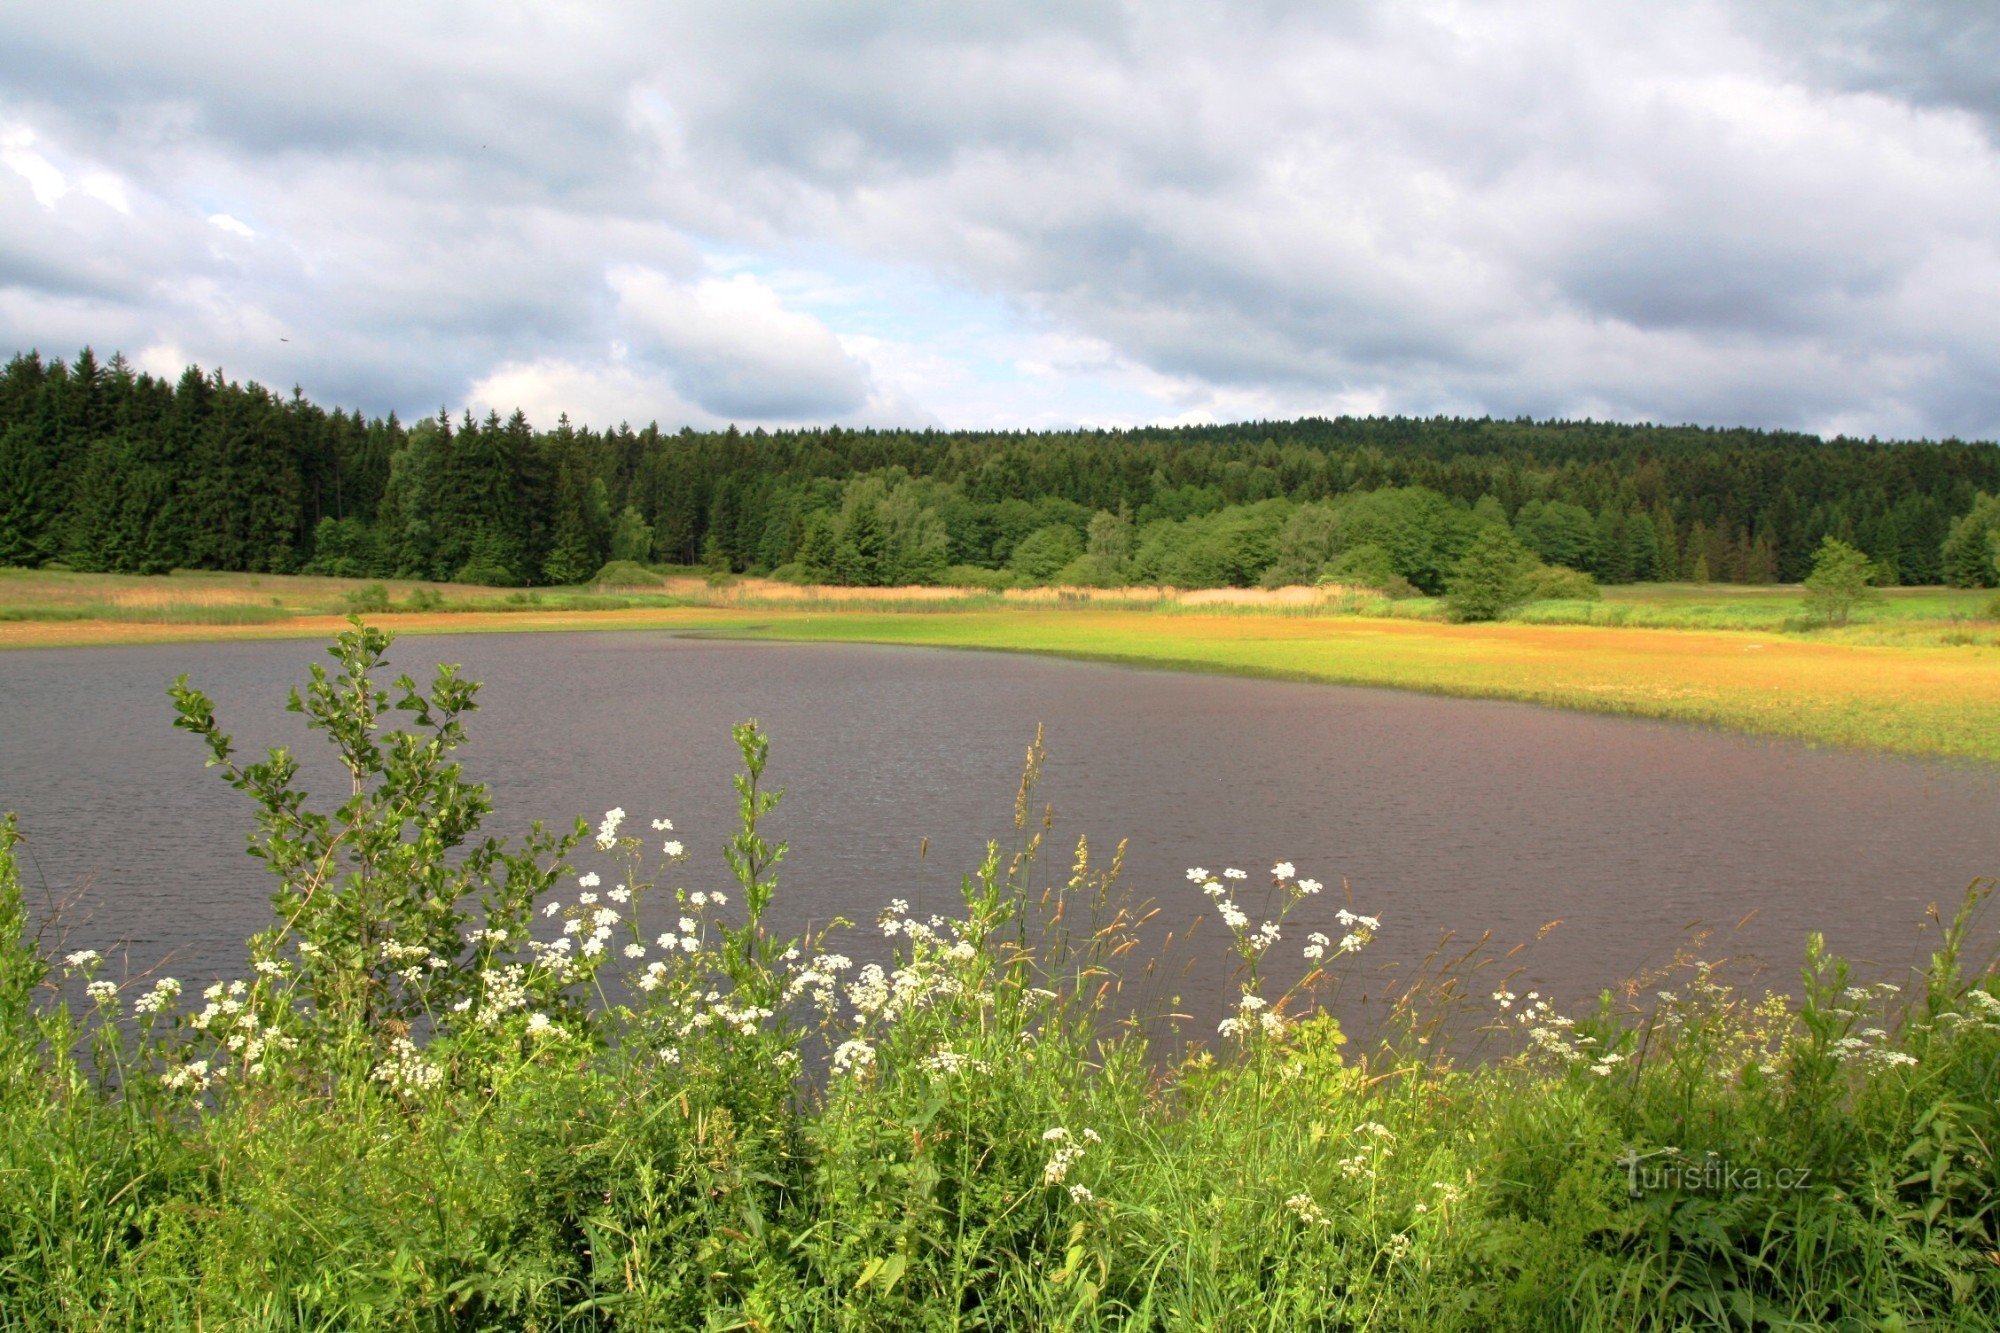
[{"x": 1670, "y": 1169}]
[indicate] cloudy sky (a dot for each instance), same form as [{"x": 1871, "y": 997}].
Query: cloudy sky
[{"x": 1778, "y": 214}]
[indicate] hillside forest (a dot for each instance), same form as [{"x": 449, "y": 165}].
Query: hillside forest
[{"x": 103, "y": 468}]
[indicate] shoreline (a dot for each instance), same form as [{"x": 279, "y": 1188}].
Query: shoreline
[{"x": 1939, "y": 702}]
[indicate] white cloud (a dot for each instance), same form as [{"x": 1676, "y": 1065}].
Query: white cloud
[
  {"x": 17, "y": 151},
  {"x": 1715, "y": 211},
  {"x": 735, "y": 348}
]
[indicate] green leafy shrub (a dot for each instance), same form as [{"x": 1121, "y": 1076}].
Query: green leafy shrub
[
  {"x": 1554, "y": 583},
  {"x": 624, "y": 574},
  {"x": 367, "y": 599}
]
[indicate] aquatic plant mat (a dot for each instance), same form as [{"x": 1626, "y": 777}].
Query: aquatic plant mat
[{"x": 575, "y": 1081}]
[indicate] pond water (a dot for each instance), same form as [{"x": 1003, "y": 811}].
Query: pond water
[{"x": 1442, "y": 815}]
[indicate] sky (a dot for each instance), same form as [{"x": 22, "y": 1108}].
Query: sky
[{"x": 1033, "y": 215}]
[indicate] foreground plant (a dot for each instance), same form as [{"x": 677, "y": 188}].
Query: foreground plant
[{"x": 575, "y": 1085}]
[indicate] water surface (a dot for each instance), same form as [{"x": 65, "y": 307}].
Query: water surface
[{"x": 1442, "y": 814}]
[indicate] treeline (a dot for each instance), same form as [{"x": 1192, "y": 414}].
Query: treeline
[{"x": 106, "y": 469}]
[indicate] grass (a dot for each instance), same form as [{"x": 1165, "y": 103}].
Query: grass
[
  {"x": 976, "y": 1133},
  {"x": 1919, "y": 674}
]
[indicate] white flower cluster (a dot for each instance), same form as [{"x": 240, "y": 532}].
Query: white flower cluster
[
  {"x": 1069, "y": 1150},
  {"x": 1377, "y": 1143},
  {"x": 1307, "y": 1211},
  {"x": 165, "y": 991},
  {"x": 82, "y": 958},
  {"x": 1864, "y": 1049},
  {"x": 607, "y": 830},
  {"x": 407, "y": 1071},
  {"x": 852, "y": 1056},
  {"x": 818, "y": 979},
  {"x": 1252, "y": 1015},
  {"x": 194, "y": 1076},
  {"x": 944, "y": 1060},
  {"x": 102, "y": 992},
  {"x": 502, "y": 990}
]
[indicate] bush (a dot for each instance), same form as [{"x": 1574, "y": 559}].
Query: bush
[
  {"x": 624, "y": 574},
  {"x": 368, "y": 599},
  {"x": 1369, "y": 566},
  {"x": 485, "y": 574},
  {"x": 1554, "y": 583},
  {"x": 978, "y": 576},
  {"x": 1495, "y": 576},
  {"x": 1839, "y": 582}
]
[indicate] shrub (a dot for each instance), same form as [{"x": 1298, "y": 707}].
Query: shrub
[
  {"x": 1839, "y": 582},
  {"x": 1495, "y": 576},
  {"x": 370, "y": 598},
  {"x": 624, "y": 574},
  {"x": 1554, "y": 583}
]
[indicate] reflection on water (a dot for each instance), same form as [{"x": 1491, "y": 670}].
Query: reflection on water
[{"x": 1442, "y": 815}]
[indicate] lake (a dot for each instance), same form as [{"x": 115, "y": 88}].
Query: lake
[{"x": 1441, "y": 814}]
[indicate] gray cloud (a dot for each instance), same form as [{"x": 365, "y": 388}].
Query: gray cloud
[{"x": 1774, "y": 214}]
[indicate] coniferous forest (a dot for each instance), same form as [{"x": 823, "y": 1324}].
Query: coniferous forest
[{"x": 106, "y": 469}]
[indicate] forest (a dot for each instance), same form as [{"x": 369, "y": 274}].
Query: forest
[{"x": 103, "y": 468}]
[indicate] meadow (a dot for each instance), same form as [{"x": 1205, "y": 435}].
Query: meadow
[
  {"x": 572, "y": 1080},
  {"x": 1917, "y": 672}
]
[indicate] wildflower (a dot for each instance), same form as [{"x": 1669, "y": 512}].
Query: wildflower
[
  {"x": 539, "y": 1025},
  {"x": 83, "y": 958},
  {"x": 1197, "y": 875},
  {"x": 164, "y": 992},
  {"x": 663, "y": 826},
  {"x": 1309, "y": 886},
  {"x": 698, "y": 898},
  {"x": 1315, "y": 947},
  {"x": 605, "y": 916},
  {"x": 552, "y": 909},
  {"x": 593, "y": 946},
  {"x": 102, "y": 992},
  {"x": 853, "y": 1056},
  {"x": 621, "y": 894},
  {"x": 194, "y": 1076},
  {"x": 1307, "y": 1211},
  {"x": 1232, "y": 915},
  {"x": 671, "y": 847},
  {"x": 1214, "y": 888},
  {"x": 1283, "y": 871},
  {"x": 635, "y": 950},
  {"x": 607, "y": 832},
  {"x": 405, "y": 1070},
  {"x": 689, "y": 944},
  {"x": 270, "y": 968},
  {"x": 1233, "y": 873},
  {"x": 719, "y": 899},
  {"x": 586, "y": 899},
  {"x": 668, "y": 941},
  {"x": 1067, "y": 1154},
  {"x": 588, "y": 880},
  {"x": 1081, "y": 1194}
]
